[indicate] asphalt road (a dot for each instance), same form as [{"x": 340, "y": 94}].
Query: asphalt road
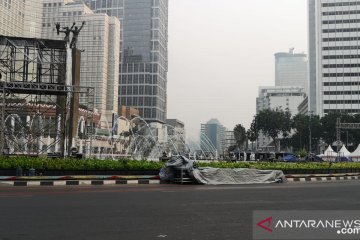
[{"x": 159, "y": 211}]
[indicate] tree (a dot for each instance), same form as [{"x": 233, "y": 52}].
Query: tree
[
  {"x": 252, "y": 133},
  {"x": 302, "y": 124},
  {"x": 328, "y": 125},
  {"x": 231, "y": 148},
  {"x": 316, "y": 131},
  {"x": 274, "y": 122},
  {"x": 240, "y": 135}
]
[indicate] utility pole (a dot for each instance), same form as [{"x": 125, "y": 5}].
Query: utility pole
[
  {"x": 310, "y": 137},
  {"x": 338, "y": 134}
]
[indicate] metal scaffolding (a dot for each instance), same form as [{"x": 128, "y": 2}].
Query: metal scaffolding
[
  {"x": 34, "y": 97},
  {"x": 339, "y": 126}
]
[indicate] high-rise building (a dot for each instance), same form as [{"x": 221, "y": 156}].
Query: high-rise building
[
  {"x": 285, "y": 98},
  {"x": 311, "y": 106},
  {"x": 334, "y": 56},
  {"x": 144, "y": 53},
  {"x": 32, "y": 18},
  {"x": 212, "y": 135},
  {"x": 291, "y": 69},
  {"x": 99, "y": 41},
  {"x": 20, "y": 18},
  {"x": 176, "y": 131},
  {"x": 229, "y": 139}
]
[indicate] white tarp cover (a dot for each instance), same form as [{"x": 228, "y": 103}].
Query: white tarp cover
[
  {"x": 175, "y": 163},
  {"x": 344, "y": 152},
  {"x": 355, "y": 156},
  {"x": 219, "y": 176}
]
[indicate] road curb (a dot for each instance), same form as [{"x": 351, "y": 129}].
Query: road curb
[
  {"x": 146, "y": 180},
  {"x": 78, "y": 177},
  {"x": 322, "y": 177},
  {"x": 78, "y": 182}
]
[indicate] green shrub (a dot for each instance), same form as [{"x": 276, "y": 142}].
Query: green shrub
[
  {"x": 126, "y": 164},
  {"x": 76, "y": 164},
  {"x": 302, "y": 153},
  {"x": 282, "y": 166}
]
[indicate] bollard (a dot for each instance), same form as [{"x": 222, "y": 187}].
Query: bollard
[
  {"x": 19, "y": 172},
  {"x": 31, "y": 172}
]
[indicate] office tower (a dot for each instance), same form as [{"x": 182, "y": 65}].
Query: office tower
[
  {"x": 99, "y": 41},
  {"x": 144, "y": 53},
  {"x": 32, "y": 18},
  {"x": 176, "y": 133},
  {"x": 20, "y": 18},
  {"x": 229, "y": 140},
  {"x": 285, "y": 98},
  {"x": 334, "y": 56},
  {"x": 212, "y": 136},
  {"x": 311, "y": 106},
  {"x": 291, "y": 69}
]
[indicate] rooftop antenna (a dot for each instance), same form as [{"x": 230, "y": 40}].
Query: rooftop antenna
[{"x": 291, "y": 50}]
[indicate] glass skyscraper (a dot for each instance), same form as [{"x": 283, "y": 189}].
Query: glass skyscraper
[
  {"x": 144, "y": 53},
  {"x": 212, "y": 134}
]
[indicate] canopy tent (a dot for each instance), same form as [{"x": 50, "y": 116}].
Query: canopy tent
[
  {"x": 344, "y": 155},
  {"x": 355, "y": 156},
  {"x": 344, "y": 152},
  {"x": 329, "y": 154}
]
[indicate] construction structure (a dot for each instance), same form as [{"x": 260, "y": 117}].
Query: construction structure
[
  {"x": 339, "y": 126},
  {"x": 39, "y": 99}
]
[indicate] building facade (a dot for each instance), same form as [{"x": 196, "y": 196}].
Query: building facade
[
  {"x": 99, "y": 41},
  {"x": 20, "y": 18},
  {"x": 291, "y": 69},
  {"x": 334, "y": 47},
  {"x": 144, "y": 53},
  {"x": 312, "y": 56},
  {"x": 285, "y": 98},
  {"x": 229, "y": 140},
  {"x": 176, "y": 131},
  {"x": 32, "y": 18},
  {"x": 212, "y": 137}
]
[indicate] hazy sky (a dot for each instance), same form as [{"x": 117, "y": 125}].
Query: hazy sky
[{"x": 221, "y": 51}]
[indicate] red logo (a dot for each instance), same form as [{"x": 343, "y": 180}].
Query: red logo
[{"x": 265, "y": 224}]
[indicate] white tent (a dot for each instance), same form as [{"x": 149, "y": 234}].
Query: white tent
[
  {"x": 344, "y": 152},
  {"x": 329, "y": 155},
  {"x": 355, "y": 156}
]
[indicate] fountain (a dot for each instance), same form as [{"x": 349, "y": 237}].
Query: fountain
[
  {"x": 130, "y": 138},
  {"x": 139, "y": 140}
]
